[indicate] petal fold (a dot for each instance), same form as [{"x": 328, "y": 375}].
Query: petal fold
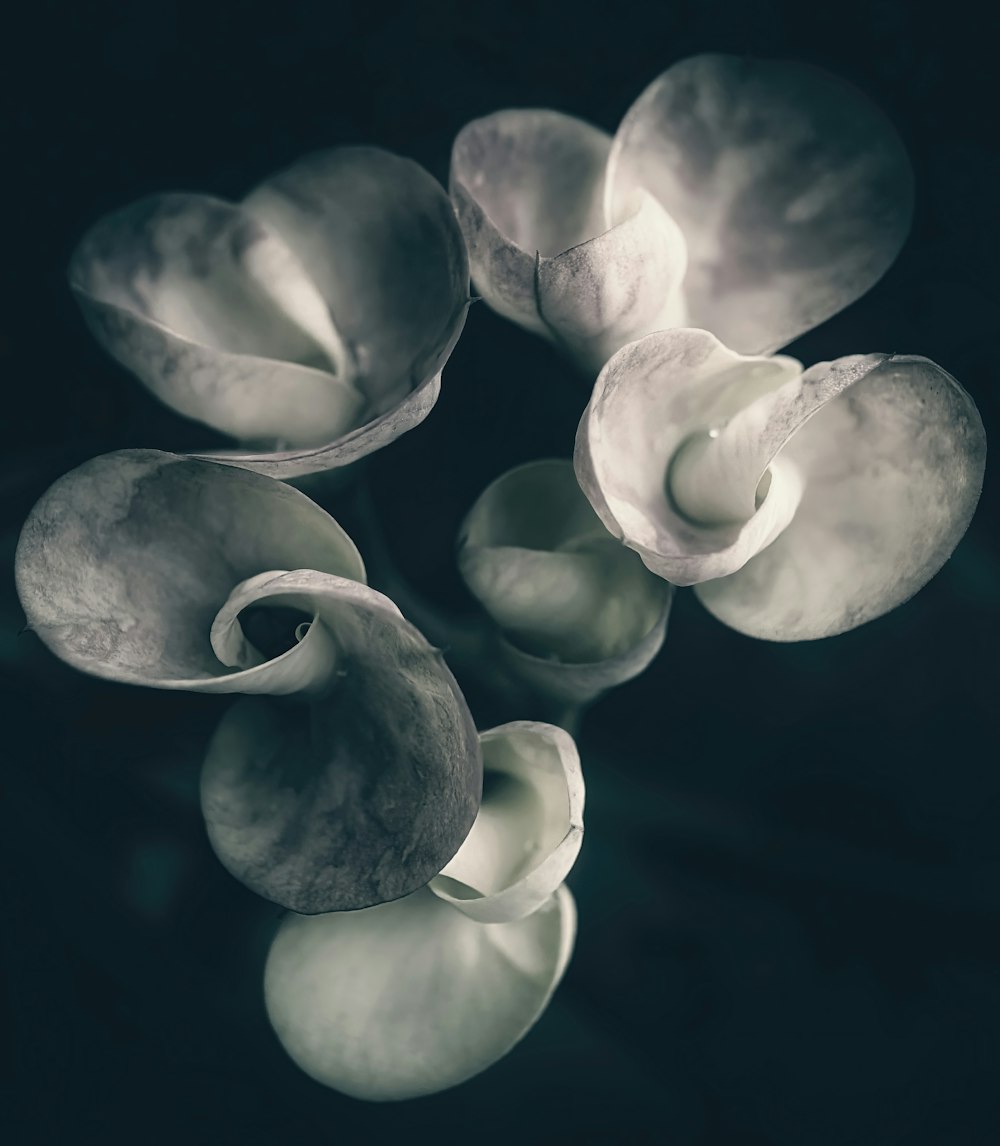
[
  {"x": 124, "y": 564},
  {"x": 361, "y": 796},
  {"x": 529, "y": 829},
  {"x": 580, "y": 614},
  {"x": 892, "y": 468},
  {"x": 792, "y": 190}
]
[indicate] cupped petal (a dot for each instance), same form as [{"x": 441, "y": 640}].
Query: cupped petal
[
  {"x": 378, "y": 238},
  {"x": 650, "y": 401},
  {"x": 528, "y": 186},
  {"x": 412, "y": 997},
  {"x": 793, "y": 191},
  {"x": 124, "y": 564},
  {"x": 217, "y": 317},
  {"x": 892, "y": 466},
  {"x": 529, "y": 829},
  {"x": 366, "y": 793}
]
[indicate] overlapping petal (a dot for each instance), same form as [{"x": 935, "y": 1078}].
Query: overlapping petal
[
  {"x": 802, "y": 503},
  {"x": 792, "y": 190},
  {"x": 750, "y": 197},
  {"x": 146, "y": 568},
  {"x": 529, "y": 829},
  {"x": 579, "y": 613},
  {"x": 419, "y": 995},
  {"x": 528, "y": 188},
  {"x": 311, "y": 322}
]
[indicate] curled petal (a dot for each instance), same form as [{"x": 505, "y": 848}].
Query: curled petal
[
  {"x": 529, "y": 829},
  {"x": 124, "y": 564},
  {"x": 892, "y": 469},
  {"x": 527, "y": 186},
  {"x": 579, "y": 612},
  {"x": 792, "y": 190},
  {"x": 411, "y": 997},
  {"x": 365, "y": 794},
  {"x": 649, "y": 401},
  {"x": 217, "y": 317}
]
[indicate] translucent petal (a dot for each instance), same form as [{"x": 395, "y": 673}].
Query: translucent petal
[
  {"x": 579, "y": 611},
  {"x": 411, "y": 997},
  {"x": 366, "y": 793},
  {"x": 527, "y": 186},
  {"x": 529, "y": 829},
  {"x": 793, "y": 192},
  {"x": 649, "y": 401},
  {"x": 892, "y": 467},
  {"x": 125, "y": 562},
  {"x": 217, "y": 317}
]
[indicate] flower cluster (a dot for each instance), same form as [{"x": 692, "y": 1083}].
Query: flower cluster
[{"x": 739, "y": 204}]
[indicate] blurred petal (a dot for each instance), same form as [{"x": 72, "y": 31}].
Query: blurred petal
[
  {"x": 377, "y": 235},
  {"x": 125, "y": 562},
  {"x": 411, "y": 997},
  {"x": 891, "y": 470},
  {"x": 579, "y": 611},
  {"x": 649, "y": 401},
  {"x": 365, "y": 794},
  {"x": 527, "y": 186},
  {"x": 217, "y": 317},
  {"x": 529, "y": 829},
  {"x": 792, "y": 190}
]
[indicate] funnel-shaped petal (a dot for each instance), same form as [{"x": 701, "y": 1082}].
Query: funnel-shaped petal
[
  {"x": 580, "y": 614},
  {"x": 529, "y": 829},
  {"x": 411, "y": 997},
  {"x": 802, "y": 504},
  {"x": 528, "y": 188},
  {"x": 310, "y": 322},
  {"x": 365, "y": 794},
  {"x": 152, "y": 569},
  {"x": 793, "y": 192}
]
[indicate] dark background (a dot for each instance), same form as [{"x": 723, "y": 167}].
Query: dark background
[{"x": 790, "y": 885}]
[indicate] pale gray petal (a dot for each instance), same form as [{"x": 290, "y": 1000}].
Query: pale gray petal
[
  {"x": 411, "y": 997},
  {"x": 793, "y": 191},
  {"x": 577, "y": 608},
  {"x": 529, "y": 829},
  {"x": 892, "y": 469},
  {"x": 217, "y": 317},
  {"x": 125, "y": 562},
  {"x": 361, "y": 796},
  {"x": 650, "y": 399}
]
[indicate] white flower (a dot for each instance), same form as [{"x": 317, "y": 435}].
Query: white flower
[
  {"x": 310, "y": 322},
  {"x": 752, "y": 198},
  {"x": 800, "y": 503}
]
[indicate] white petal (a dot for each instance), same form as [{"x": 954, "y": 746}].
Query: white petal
[
  {"x": 125, "y": 562},
  {"x": 579, "y": 611},
  {"x": 892, "y": 469},
  {"x": 217, "y": 317},
  {"x": 366, "y": 793},
  {"x": 793, "y": 191},
  {"x": 527, "y": 186},
  {"x": 529, "y": 829},
  {"x": 411, "y": 997},
  {"x": 650, "y": 399}
]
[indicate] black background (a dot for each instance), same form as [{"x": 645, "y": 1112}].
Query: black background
[{"x": 789, "y": 887}]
